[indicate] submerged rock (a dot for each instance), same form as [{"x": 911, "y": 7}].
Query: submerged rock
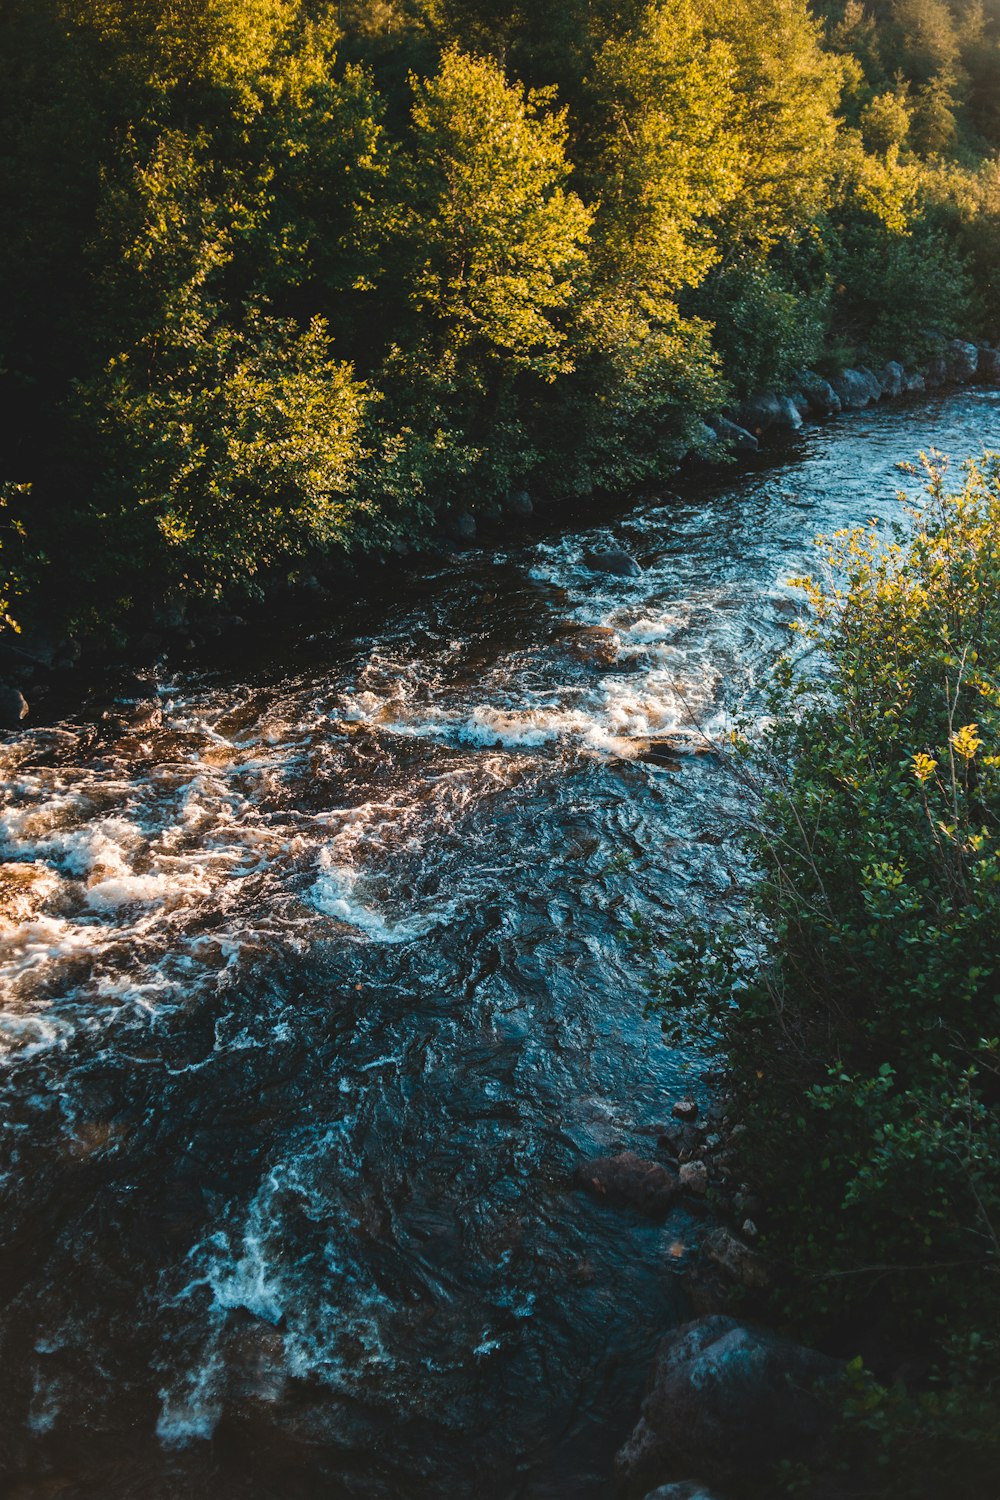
[
  {"x": 613, "y": 560},
  {"x": 730, "y": 1399},
  {"x": 629, "y": 1181}
]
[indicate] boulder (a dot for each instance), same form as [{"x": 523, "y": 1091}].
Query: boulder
[
  {"x": 519, "y": 504},
  {"x": 935, "y": 371},
  {"x": 685, "y": 1109},
  {"x": 891, "y": 379},
  {"x": 741, "y": 1264},
  {"x": 731, "y": 1399},
  {"x": 914, "y": 383},
  {"x": 629, "y": 1181},
  {"x": 823, "y": 399},
  {"x": 961, "y": 361},
  {"x": 989, "y": 365},
  {"x": 768, "y": 415},
  {"x": 13, "y": 707},
  {"x": 693, "y": 1176},
  {"x": 872, "y": 381},
  {"x": 855, "y": 389},
  {"x": 613, "y": 560},
  {"x": 732, "y": 436},
  {"x": 462, "y": 527}
]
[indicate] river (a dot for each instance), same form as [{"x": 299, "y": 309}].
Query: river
[{"x": 314, "y": 998}]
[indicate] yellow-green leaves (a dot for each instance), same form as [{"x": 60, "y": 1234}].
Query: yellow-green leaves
[{"x": 499, "y": 240}]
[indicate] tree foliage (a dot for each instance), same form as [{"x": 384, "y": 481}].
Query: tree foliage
[{"x": 522, "y": 244}]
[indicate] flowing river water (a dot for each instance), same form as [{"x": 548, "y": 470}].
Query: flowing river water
[{"x": 314, "y": 998}]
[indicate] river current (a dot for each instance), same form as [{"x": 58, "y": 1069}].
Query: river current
[{"x": 314, "y": 998}]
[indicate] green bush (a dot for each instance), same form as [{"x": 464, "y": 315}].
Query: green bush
[{"x": 858, "y": 998}]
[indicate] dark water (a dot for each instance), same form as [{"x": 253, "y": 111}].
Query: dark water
[{"x": 314, "y": 999}]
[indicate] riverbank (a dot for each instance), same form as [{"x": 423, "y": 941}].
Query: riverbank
[{"x": 167, "y": 631}]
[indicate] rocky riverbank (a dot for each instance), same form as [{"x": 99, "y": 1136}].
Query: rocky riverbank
[
  {"x": 175, "y": 627},
  {"x": 729, "y": 1398}
]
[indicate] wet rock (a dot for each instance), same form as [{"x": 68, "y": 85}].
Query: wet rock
[
  {"x": 730, "y": 1399},
  {"x": 962, "y": 361},
  {"x": 686, "y": 1490},
  {"x": 681, "y": 1141},
  {"x": 891, "y": 378},
  {"x": 935, "y": 371},
  {"x": 823, "y": 399},
  {"x": 13, "y": 707},
  {"x": 596, "y": 645},
  {"x": 518, "y": 503},
  {"x": 736, "y": 1259},
  {"x": 693, "y": 1177},
  {"x": 856, "y": 389},
  {"x": 629, "y": 1181},
  {"x": 685, "y": 1109},
  {"x": 254, "y": 1354},
  {"x": 768, "y": 415},
  {"x": 462, "y": 527},
  {"x": 614, "y": 560},
  {"x": 914, "y": 383},
  {"x": 732, "y": 436},
  {"x": 989, "y": 365}
]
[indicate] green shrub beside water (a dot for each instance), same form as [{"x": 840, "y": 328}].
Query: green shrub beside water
[{"x": 858, "y": 1000}]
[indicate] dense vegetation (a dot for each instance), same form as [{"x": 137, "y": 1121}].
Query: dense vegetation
[
  {"x": 284, "y": 278},
  {"x": 859, "y": 997}
]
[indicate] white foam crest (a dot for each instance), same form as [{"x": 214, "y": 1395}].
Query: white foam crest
[{"x": 337, "y": 893}]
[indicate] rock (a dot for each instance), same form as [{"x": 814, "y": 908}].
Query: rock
[
  {"x": 596, "y": 645},
  {"x": 614, "y": 560},
  {"x": 823, "y": 399},
  {"x": 730, "y": 1399},
  {"x": 733, "y": 436},
  {"x": 693, "y": 1176},
  {"x": 989, "y": 365},
  {"x": 687, "y": 1490},
  {"x": 628, "y": 1181},
  {"x": 680, "y": 1140},
  {"x": 518, "y": 503},
  {"x": 685, "y": 1109},
  {"x": 891, "y": 379},
  {"x": 961, "y": 361},
  {"x": 749, "y": 1229},
  {"x": 935, "y": 371},
  {"x": 703, "y": 441},
  {"x": 872, "y": 381},
  {"x": 914, "y": 383},
  {"x": 856, "y": 389},
  {"x": 13, "y": 707},
  {"x": 768, "y": 415},
  {"x": 462, "y": 527},
  {"x": 736, "y": 1259}
]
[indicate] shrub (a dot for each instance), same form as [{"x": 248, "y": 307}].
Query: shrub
[{"x": 858, "y": 997}]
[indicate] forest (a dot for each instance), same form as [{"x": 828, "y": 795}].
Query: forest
[{"x": 287, "y": 281}]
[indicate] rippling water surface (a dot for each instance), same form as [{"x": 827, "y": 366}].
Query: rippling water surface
[{"x": 313, "y": 999}]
